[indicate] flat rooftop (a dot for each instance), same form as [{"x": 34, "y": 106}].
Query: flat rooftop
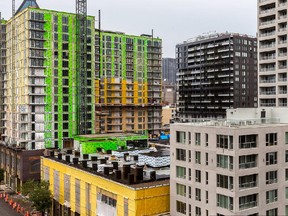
[
  {"x": 104, "y": 135},
  {"x": 234, "y": 123}
]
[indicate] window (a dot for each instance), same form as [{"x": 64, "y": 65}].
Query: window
[
  {"x": 189, "y": 156},
  {"x": 247, "y": 161},
  {"x": 248, "y": 201},
  {"x": 248, "y": 181},
  {"x": 271, "y": 158},
  {"x": 181, "y": 189},
  {"x": 286, "y": 174},
  {"x": 286, "y": 138},
  {"x": 207, "y": 178},
  {"x": 197, "y": 211},
  {"x": 181, "y": 154},
  {"x": 271, "y": 196},
  {"x": 248, "y": 141},
  {"x": 224, "y": 181},
  {"x": 271, "y": 177},
  {"x": 197, "y": 194},
  {"x": 225, "y": 161},
  {"x": 225, "y": 141},
  {"x": 190, "y": 174},
  {"x": 197, "y": 157},
  {"x": 180, "y": 207},
  {"x": 180, "y": 172},
  {"x": 224, "y": 201},
  {"x": 271, "y": 139},
  {"x": 207, "y": 196},
  {"x": 286, "y": 193},
  {"x": 206, "y": 159},
  {"x": 180, "y": 137},
  {"x": 286, "y": 156},
  {"x": 198, "y": 176},
  {"x": 197, "y": 139},
  {"x": 272, "y": 212},
  {"x": 189, "y": 137},
  {"x": 206, "y": 140},
  {"x": 189, "y": 192}
]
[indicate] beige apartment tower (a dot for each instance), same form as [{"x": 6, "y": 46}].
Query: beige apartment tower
[
  {"x": 230, "y": 167},
  {"x": 272, "y": 53}
]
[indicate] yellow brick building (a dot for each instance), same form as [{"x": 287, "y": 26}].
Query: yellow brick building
[{"x": 78, "y": 191}]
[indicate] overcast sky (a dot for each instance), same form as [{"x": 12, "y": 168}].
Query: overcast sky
[{"x": 172, "y": 20}]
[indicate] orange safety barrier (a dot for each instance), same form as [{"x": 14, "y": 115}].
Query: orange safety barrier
[
  {"x": 14, "y": 205},
  {"x": 6, "y": 198},
  {"x": 1, "y": 195},
  {"x": 11, "y": 202},
  {"x": 22, "y": 210},
  {"x": 18, "y": 208},
  {"x": 27, "y": 213}
]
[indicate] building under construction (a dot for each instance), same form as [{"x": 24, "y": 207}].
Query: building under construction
[
  {"x": 128, "y": 91},
  {"x": 43, "y": 72},
  {"x": 40, "y": 94}
]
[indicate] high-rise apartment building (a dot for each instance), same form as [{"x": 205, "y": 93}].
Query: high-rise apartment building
[
  {"x": 2, "y": 72},
  {"x": 231, "y": 167},
  {"x": 272, "y": 52},
  {"x": 39, "y": 89},
  {"x": 128, "y": 83},
  {"x": 216, "y": 72},
  {"x": 169, "y": 70}
]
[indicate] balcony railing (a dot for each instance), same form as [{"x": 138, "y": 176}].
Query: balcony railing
[
  {"x": 248, "y": 145},
  {"x": 247, "y": 165},
  {"x": 247, "y": 205},
  {"x": 248, "y": 185}
]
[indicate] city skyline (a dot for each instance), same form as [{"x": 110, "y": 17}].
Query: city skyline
[{"x": 171, "y": 26}]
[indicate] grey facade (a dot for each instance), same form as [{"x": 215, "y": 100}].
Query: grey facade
[
  {"x": 169, "y": 70},
  {"x": 216, "y": 72}
]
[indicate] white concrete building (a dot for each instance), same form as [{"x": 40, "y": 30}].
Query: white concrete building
[
  {"x": 230, "y": 167},
  {"x": 272, "y": 53}
]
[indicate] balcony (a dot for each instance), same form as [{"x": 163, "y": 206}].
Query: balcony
[
  {"x": 247, "y": 205},
  {"x": 248, "y": 165},
  {"x": 267, "y": 34},
  {"x": 247, "y": 185}
]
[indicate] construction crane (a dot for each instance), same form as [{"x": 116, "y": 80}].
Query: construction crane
[
  {"x": 13, "y": 8},
  {"x": 81, "y": 66}
]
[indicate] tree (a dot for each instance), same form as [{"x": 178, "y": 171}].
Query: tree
[{"x": 39, "y": 194}]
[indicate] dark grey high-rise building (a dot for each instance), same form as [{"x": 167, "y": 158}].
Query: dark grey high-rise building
[
  {"x": 216, "y": 72},
  {"x": 169, "y": 70}
]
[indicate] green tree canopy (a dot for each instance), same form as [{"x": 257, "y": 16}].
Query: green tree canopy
[{"x": 39, "y": 194}]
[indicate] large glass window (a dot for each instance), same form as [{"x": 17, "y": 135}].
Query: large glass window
[
  {"x": 272, "y": 212},
  {"x": 249, "y": 201},
  {"x": 181, "y": 154},
  {"x": 225, "y": 141},
  {"x": 197, "y": 157},
  {"x": 225, "y": 161},
  {"x": 181, "y": 207},
  {"x": 271, "y": 177},
  {"x": 180, "y": 172},
  {"x": 198, "y": 194},
  {"x": 271, "y": 139},
  {"x": 224, "y": 181},
  {"x": 271, "y": 196},
  {"x": 181, "y": 189},
  {"x": 198, "y": 176},
  {"x": 271, "y": 158},
  {"x": 224, "y": 201},
  {"x": 180, "y": 137},
  {"x": 248, "y": 141},
  {"x": 248, "y": 181},
  {"x": 197, "y": 139},
  {"x": 247, "y": 161}
]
